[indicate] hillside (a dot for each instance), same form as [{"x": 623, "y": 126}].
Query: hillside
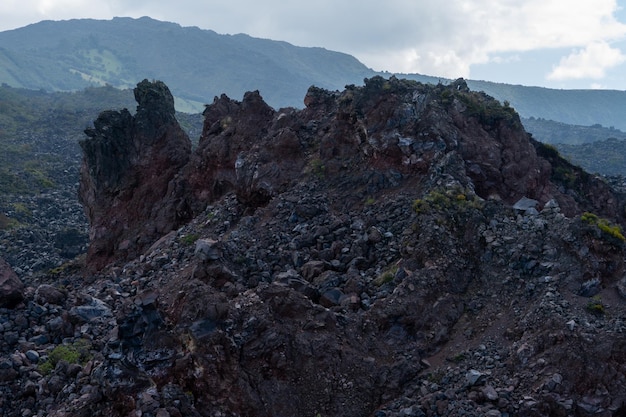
[
  {"x": 606, "y": 157},
  {"x": 39, "y": 166},
  {"x": 595, "y": 148},
  {"x": 201, "y": 64},
  {"x": 549, "y": 131},
  {"x": 575, "y": 107},
  {"x": 197, "y": 64},
  {"x": 394, "y": 249}
]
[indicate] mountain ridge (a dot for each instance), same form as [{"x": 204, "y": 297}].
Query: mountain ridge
[{"x": 199, "y": 64}]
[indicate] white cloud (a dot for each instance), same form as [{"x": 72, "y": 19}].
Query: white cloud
[
  {"x": 475, "y": 30},
  {"x": 590, "y": 62}
]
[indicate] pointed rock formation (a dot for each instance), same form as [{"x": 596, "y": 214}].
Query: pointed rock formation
[{"x": 127, "y": 176}]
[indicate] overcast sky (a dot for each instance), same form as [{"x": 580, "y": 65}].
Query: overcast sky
[{"x": 551, "y": 43}]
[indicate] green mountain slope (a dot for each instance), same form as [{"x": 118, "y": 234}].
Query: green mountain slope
[
  {"x": 196, "y": 64},
  {"x": 594, "y": 148},
  {"x": 576, "y": 107},
  {"x": 606, "y": 157},
  {"x": 199, "y": 64}
]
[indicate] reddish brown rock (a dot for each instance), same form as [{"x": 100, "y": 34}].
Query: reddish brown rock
[
  {"x": 139, "y": 180},
  {"x": 127, "y": 177}
]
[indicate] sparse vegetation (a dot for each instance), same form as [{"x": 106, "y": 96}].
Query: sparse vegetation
[
  {"x": 189, "y": 239},
  {"x": 479, "y": 105},
  {"x": 444, "y": 199},
  {"x": 487, "y": 110},
  {"x": 608, "y": 228},
  {"x": 386, "y": 277},
  {"x": 595, "y": 305},
  {"x": 21, "y": 210},
  {"x": 317, "y": 167},
  {"x": 459, "y": 357},
  {"x": 74, "y": 265},
  {"x": 77, "y": 352}
]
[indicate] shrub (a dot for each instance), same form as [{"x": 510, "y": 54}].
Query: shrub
[
  {"x": 608, "y": 228},
  {"x": 189, "y": 239},
  {"x": 386, "y": 276},
  {"x": 487, "y": 110},
  {"x": 443, "y": 199},
  {"x": 595, "y": 305},
  {"x": 22, "y": 210},
  {"x": 317, "y": 167},
  {"x": 77, "y": 352}
]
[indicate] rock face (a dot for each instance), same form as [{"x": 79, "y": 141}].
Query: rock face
[
  {"x": 127, "y": 176},
  {"x": 11, "y": 287},
  {"x": 394, "y": 250},
  {"x": 139, "y": 179}
]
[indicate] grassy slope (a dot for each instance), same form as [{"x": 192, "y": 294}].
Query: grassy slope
[{"x": 198, "y": 64}]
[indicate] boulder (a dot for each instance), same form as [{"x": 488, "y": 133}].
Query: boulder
[
  {"x": 11, "y": 287},
  {"x": 48, "y": 294}
]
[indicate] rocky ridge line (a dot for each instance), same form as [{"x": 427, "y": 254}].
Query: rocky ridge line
[{"x": 391, "y": 250}]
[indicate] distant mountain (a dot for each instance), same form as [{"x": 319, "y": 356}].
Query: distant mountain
[
  {"x": 549, "y": 131},
  {"x": 199, "y": 64},
  {"x": 576, "y": 107},
  {"x": 605, "y": 157},
  {"x": 595, "y": 148}
]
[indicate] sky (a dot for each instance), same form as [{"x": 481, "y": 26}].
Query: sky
[{"x": 550, "y": 43}]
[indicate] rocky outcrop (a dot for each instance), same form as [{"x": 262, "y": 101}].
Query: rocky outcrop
[
  {"x": 394, "y": 250},
  {"x": 139, "y": 179},
  {"x": 127, "y": 178},
  {"x": 11, "y": 287},
  {"x": 236, "y": 154}
]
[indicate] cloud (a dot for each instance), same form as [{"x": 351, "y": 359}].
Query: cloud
[
  {"x": 591, "y": 62},
  {"x": 425, "y": 37},
  {"x": 477, "y": 31}
]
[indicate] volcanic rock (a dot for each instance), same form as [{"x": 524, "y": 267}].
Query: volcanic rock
[
  {"x": 127, "y": 177},
  {"x": 11, "y": 287},
  {"x": 139, "y": 179},
  {"x": 362, "y": 256}
]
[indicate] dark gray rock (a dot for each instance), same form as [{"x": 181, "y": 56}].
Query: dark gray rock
[
  {"x": 32, "y": 356},
  {"x": 94, "y": 309},
  {"x": 474, "y": 377},
  {"x": 11, "y": 287},
  {"x": 207, "y": 249}
]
